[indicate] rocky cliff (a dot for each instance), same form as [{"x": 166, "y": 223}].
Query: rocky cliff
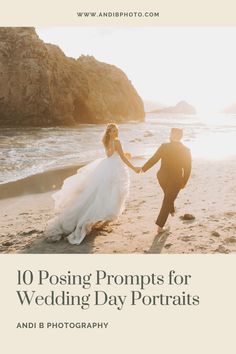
[
  {"x": 182, "y": 107},
  {"x": 40, "y": 86}
]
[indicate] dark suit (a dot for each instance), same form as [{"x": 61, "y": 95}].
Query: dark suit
[{"x": 173, "y": 174}]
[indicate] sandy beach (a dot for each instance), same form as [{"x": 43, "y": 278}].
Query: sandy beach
[{"x": 209, "y": 196}]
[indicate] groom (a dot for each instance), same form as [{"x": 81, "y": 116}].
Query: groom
[{"x": 173, "y": 174}]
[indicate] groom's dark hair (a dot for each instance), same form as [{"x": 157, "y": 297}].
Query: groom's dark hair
[{"x": 177, "y": 133}]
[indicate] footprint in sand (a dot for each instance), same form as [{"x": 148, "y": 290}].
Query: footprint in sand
[
  {"x": 168, "y": 245},
  {"x": 230, "y": 240},
  {"x": 215, "y": 233},
  {"x": 186, "y": 238},
  {"x": 202, "y": 247},
  {"x": 102, "y": 233},
  {"x": 7, "y": 243},
  {"x": 221, "y": 249},
  {"x": 187, "y": 217},
  {"x": 230, "y": 213},
  {"x": 30, "y": 232}
]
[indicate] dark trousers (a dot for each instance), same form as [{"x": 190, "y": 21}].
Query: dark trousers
[{"x": 171, "y": 190}]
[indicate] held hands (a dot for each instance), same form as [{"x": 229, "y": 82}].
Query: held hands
[{"x": 138, "y": 169}]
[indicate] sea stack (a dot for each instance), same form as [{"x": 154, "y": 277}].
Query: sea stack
[
  {"x": 182, "y": 107},
  {"x": 40, "y": 86}
]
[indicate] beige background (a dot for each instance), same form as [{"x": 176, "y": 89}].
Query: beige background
[
  {"x": 208, "y": 328},
  {"x": 172, "y": 12}
]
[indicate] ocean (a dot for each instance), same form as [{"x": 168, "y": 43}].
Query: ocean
[{"x": 26, "y": 152}]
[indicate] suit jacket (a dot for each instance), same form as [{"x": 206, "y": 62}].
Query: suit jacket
[{"x": 175, "y": 163}]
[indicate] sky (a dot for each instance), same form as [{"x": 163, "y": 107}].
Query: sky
[{"x": 165, "y": 64}]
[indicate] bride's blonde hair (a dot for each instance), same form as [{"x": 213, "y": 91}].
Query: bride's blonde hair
[{"x": 106, "y": 136}]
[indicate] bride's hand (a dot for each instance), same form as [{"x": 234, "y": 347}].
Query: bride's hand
[{"x": 128, "y": 155}]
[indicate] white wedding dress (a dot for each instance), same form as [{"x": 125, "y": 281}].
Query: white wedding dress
[{"x": 96, "y": 193}]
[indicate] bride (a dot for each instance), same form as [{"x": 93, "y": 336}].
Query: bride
[{"x": 96, "y": 193}]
